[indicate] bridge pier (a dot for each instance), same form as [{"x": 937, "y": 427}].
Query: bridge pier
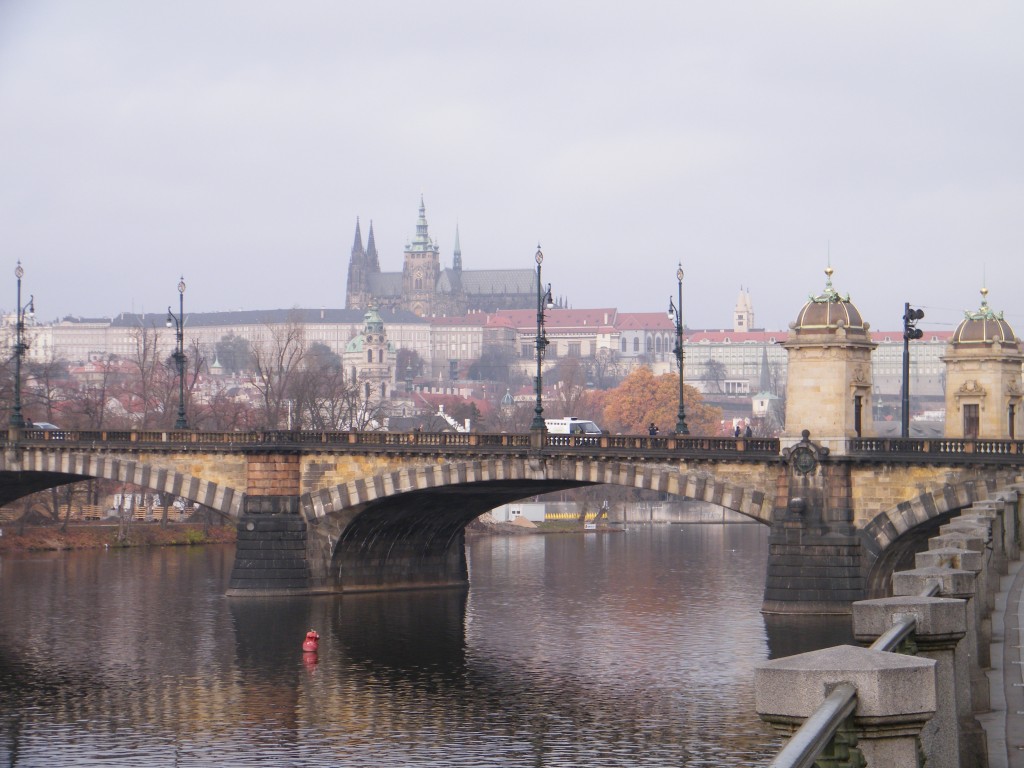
[
  {"x": 814, "y": 549},
  {"x": 270, "y": 554}
]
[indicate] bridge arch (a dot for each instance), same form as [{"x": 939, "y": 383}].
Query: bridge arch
[
  {"x": 406, "y": 527},
  {"x": 893, "y": 537},
  {"x": 38, "y": 470},
  {"x": 530, "y": 476}
]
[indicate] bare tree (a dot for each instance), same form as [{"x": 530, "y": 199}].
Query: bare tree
[
  {"x": 276, "y": 359},
  {"x": 570, "y": 385},
  {"x": 605, "y": 369},
  {"x": 50, "y": 387},
  {"x": 148, "y": 385},
  {"x": 715, "y": 373},
  {"x": 87, "y": 407}
]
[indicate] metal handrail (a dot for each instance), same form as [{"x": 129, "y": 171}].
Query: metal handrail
[{"x": 805, "y": 746}]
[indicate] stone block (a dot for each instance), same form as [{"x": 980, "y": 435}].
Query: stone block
[
  {"x": 952, "y": 582},
  {"x": 950, "y": 557},
  {"x": 958, "y": 540},
  {"x": 937, "y": 618},
  {"x": 888, "y": 685}
]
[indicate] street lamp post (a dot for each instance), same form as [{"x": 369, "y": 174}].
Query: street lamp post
[
  {"x": 544, "y": 301},
  {"x": 178, "y": 323},
  {"x": 20, "y": 347},
  {"x": 676, "y": 313}
]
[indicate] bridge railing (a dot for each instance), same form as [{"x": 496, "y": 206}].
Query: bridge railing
[
  {"x": 912, "y": 447},
  {"x": 749, "y": 448}
]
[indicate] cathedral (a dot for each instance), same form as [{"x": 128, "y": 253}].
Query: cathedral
[{"x": 427, "y": 289}]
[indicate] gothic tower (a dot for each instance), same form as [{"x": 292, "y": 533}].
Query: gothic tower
[
  {"x": 421, "y": 270},
  {"x": 357, "y": 292}
]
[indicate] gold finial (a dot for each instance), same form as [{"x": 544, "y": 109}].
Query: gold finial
[
  {"x": 984, "y": 297},
  {"x": 829, "y": 272}
]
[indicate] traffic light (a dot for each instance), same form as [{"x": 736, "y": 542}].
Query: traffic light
[{"x": 910, "y": 318}]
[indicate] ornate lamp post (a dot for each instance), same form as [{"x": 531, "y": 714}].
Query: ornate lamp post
[
  {"x": 544, "y": 301},
  {"x": 676, "y": 313},
  {"x": 20, "y": 347},
  {"x": 178, "y": 323}
]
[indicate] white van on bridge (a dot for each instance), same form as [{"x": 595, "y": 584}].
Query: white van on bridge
[{"x": 572, "y": 426}]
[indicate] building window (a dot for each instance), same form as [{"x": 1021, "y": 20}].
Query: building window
[
  {"x": 657, "y": 345},
  {"x": 623, "y": 345},
  {"x": 574, "y": 349},
  {"x": 636, "y": 344},
  {"x": 971, "y": 421},
  {"x": 526, "y": 351},
  {"x": 380, "y": 355},
  {"x": 366, "y": 388},
  {"x": 369, "y": 355}
]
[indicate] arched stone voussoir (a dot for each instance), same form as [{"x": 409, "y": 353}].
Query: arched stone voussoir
[
  {"x": 222, "y": 499},
  {"x": 888, "y": 526},
  {"x": 663, "y": 478}
]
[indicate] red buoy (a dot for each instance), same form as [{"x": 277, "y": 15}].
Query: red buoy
[{"x": 312, "y": 642}]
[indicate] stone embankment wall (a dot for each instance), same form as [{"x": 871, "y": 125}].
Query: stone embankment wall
[{"x": 922, "y": 699}]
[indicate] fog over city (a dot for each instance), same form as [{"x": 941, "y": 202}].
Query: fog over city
[{"x": 236, "y": 143}]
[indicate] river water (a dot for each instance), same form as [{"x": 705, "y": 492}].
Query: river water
[{"x": 605, "y": 649}]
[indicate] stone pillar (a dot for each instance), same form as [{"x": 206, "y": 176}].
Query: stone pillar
[
  {"x": 814, "y": 550},
  {"x": 974, "y": 536},
  {"x": 940, "y": 623},
  {"x": 955, "y": 584},
  {"x": 271, "y": 556},
  {"x": 965, "y": 560},
  {"x": 896, "y": 696}
]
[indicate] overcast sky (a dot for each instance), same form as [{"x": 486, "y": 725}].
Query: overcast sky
[{"x": 235, "y": 143}]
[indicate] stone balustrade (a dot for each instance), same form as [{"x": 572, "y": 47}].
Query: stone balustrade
[{"x": 921, "y": 700}]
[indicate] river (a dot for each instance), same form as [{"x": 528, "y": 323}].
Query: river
[{"x": 605, "y": 649}]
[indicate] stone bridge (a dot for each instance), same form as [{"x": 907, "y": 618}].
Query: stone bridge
[{"x": 365, "y": 511}]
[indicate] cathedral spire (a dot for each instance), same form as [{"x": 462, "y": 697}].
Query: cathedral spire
[
  {"x": 371, "y": 251},
  {"x": 457, "y": 256},
  {"x": 421, "y": 242},
  {"x": 357, "y": 246}
]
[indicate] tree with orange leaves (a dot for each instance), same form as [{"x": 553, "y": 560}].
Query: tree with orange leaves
[{"x": 643, "y": 398}]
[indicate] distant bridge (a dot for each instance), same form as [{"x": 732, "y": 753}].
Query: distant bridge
[{"x": 349, "y": 511}]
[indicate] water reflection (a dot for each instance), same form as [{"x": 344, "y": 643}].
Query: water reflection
[
  {"x": 406, "y": 633},
  {"x": 606, "y": 650},
  {"x": 790, "y": 635}
]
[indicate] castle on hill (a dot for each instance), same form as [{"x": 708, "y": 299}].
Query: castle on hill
[{"x": 427, "y": 289}]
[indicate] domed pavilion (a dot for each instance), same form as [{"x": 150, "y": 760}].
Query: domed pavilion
[
  {"x": 828, "y": 386},
  {"x": 983, "y": 377}
]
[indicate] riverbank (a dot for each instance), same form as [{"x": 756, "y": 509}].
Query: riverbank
[{"x": 42, "y": 538}]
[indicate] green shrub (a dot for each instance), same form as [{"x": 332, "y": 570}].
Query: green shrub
[{"x": 194, "y": 536}]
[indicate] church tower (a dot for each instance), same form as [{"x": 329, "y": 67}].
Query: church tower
[
  {"x": 743, "y": 314},
  {"x": 357, "y": 292},
  {"x": 421, "y": 270}
]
